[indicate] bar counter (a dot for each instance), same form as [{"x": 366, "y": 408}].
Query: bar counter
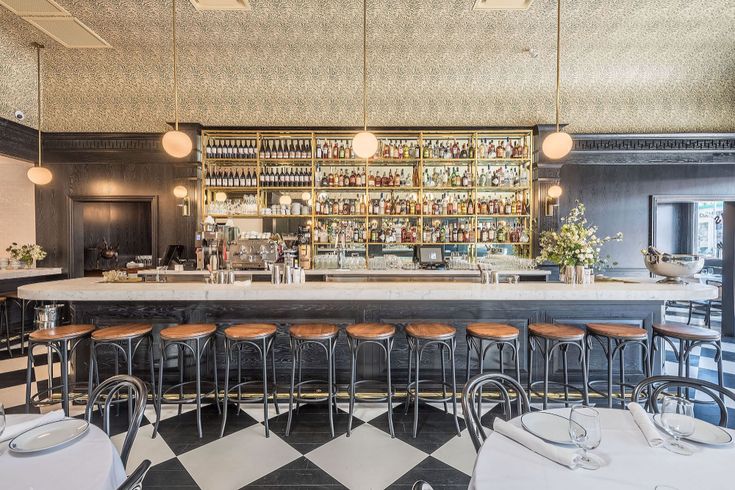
[{"x": 456, "y": 303}]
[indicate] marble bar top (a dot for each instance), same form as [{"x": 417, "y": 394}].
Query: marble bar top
[
  {"x": 359, "y": 272},
  {"x": 25, "y": 273},
  {"x": 92, "y": 289}
]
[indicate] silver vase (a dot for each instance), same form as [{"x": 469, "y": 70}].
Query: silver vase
[
  {"x": 568, "y": 274},
  {"x": 579, "y": 274}
]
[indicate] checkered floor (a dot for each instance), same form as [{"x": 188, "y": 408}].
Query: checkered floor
[{"x": 309, "y": 457}]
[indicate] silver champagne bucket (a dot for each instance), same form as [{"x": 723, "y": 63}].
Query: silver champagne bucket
[{"x": 47, "y": 316}]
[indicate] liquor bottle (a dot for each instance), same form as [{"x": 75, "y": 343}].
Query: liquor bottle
[{"x": 508, "y": 148}]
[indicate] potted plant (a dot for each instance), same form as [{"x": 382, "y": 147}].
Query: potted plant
[
  {"x": 575, "y": 246},
  {"x": 26, "y": 254}
]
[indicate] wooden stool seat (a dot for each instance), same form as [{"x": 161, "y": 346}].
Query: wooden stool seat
[
  {"x": 250, "y": 331},
  {"x": 431, "y": 331},
  {"x": 492, "y": 331},
  {"x": 188, "y": 331},
  {"x": 685, "y": 332},
  {"x": 67, "y": 332},
  {"x": 122, "y": 332},
  {"x": 314, "y": 331},
  {"x": 617, "y": 331},
  {"x": 564, "y": 333},
  {"x": 371, "y": 331}
]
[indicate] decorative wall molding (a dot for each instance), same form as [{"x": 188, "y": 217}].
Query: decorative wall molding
[
  {"x": 18, "y": 141},
  {"x": 723, "y": 142}
]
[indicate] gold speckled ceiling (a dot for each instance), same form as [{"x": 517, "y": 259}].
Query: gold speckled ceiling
[{"x": 628, "y": 65}]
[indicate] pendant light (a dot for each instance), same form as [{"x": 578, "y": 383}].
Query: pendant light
[
  {"x": 176, "y": 143},
  {"x": 37, "y": 174},
  {"x": 558, "y": 144},
  {"x": 365, "y": 144}
]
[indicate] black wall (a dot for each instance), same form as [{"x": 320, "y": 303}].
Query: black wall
[{"x": 617, "y": 198}]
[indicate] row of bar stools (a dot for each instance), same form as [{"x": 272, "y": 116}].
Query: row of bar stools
[
  {"x": 420, "y": 336},
  {"x": 259, "y": 336},
  {"x": 361, "y": 334},
  {"x": 325, "y": 336},
  {"x": 64, "y": 341},
  {"x": 548, "y": 338},
  {"x": 688, "y": 337},
  {"x": 197, "y": 339},
  {"x": 122, "y": 340},
  {"x": 614, "y": 338}
]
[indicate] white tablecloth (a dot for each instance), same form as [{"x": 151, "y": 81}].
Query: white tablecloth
[
  {"x": 91, "y": 462},
  {"x": 631, "y": 463}
]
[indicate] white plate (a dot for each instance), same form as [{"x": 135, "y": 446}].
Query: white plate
[
  {"x": 49, "y": 436},
  {"x": 704, "y": 432},
  {"x": 548, "y": 426}
]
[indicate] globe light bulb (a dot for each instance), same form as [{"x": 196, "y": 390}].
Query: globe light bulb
[
  {"x": 557, "y": 145},
  {"x": 180, "y": 191},
  {"x": 220, "y": 196},
  {"x": 39, "y": 175},
  {"x": 555, "y": 191},
  {"x": 177, "y": 144},
  {"x": 365, "y": 144},
  {"x": 285, "y": 200}
]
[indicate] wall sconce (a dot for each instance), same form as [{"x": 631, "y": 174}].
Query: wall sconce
[
  {"x": 182, "y": 193},
  {"x": 552, "y": 199}
]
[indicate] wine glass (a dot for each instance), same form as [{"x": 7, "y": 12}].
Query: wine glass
[
  {"x": 2, "y": 419},
  {"x": 584, "y": 430},
  {"x": 677, "y": 418}
]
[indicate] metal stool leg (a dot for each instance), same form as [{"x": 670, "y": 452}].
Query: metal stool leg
[
  {"x": 158, "y": 401},
  {"x": 416, "y": 387},
  {"x": 454, "y": 386},
  {"x": 546, "y": 374},
  {"x": 228, "y": 353},
  {"x": 294, "y": 361},
  {"x": 585, "y": 373},
  {"x": 621, "y": 361},
  {"x": 197, "y": 367},
  {"x": 213, "y": 343},
  {"x": 388, "y": 347},
  {"x": 264, "y": 359},
  {"x": 467, "y": 365},
  {"x": 408, "y": 383},
  {"x": 517, "y": 355},
  {"x": 353, "y": 345},
  {"x": 65, "y": 376},
  {"x": 330, "y": 385},
  {"x": 29, "y": 377},
  {"x": 565, "y": 368},
  {"x": 610, "y": 354},
  {"x": 444, "y": 377},
  {"x": 275, "y": 383}
]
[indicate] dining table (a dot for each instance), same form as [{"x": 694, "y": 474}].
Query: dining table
[
  {"x": 629, "y": 463},
  {"x": 89, "y": 462}
]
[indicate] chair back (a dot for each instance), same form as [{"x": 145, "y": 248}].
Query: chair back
[
  {"x": 507, "y": 387},
  {"x": 135, "y": 480},
  {"x": 110, "y": 388},
  {"x": 658, "y": 386}
]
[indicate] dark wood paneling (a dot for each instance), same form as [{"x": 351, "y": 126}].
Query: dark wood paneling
[{"x": 18, "y": 141}]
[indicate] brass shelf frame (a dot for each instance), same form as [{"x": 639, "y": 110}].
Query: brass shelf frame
[{"x": 472, "y": 138}]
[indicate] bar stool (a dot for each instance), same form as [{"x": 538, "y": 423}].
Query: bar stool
[
  {"x": 361, "y": 334},
  {"x": 689, "y": 337},
  {"x": 64, "y": 341},
  {"x": 202, "y": 335},
  {"x": 122, "y": 339},
  {"x": 325, "y": 336},
  {"x": 614, "y": 338},
  {"x": 549, "y": 337},
  {"x": 443, "y": 336},
  {"x": 498, "y": 334},
  {"x": 4, "y": 320},
  {"x": 261, "y": 337}
]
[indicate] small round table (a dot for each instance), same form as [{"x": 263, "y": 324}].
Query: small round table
[
  {"x": 631, "y": 463},
  {"x": 91, "y": 462}
]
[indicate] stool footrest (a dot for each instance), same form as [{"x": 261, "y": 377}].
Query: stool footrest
[{"x": 532, "y": 392}]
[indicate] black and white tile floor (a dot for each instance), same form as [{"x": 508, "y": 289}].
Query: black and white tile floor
[{"x": 309, "y": 457}]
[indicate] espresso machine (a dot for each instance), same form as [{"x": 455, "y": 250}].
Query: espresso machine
[
  {"x": 210, "y": 247},
  {"x": 252, "y": 253}
]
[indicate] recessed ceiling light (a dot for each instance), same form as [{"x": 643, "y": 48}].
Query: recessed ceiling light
[
  {"x": 69, "y": 31},
  {"x": 34, "y": 7},
  {"x": 502, "y": 4},
  {"x": 221, "y": 4}
]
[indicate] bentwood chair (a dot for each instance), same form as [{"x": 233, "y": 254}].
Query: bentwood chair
[
  {"x": 135, "y": 480},
  {"x": 509, "y": 390},
  {"x": 105, "y": 394},
  {"x": 658, "y": 386}
]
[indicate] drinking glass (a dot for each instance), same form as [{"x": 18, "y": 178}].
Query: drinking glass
[
  {"x": 677, "y": 418},
  {"x": 584, "y": 430}
]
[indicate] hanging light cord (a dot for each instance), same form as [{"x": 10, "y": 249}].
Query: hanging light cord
[
  {"x": 38, "y": 86},
  {"x": 364, "y": 64},
  {"x": 558, "y": 64},
  {"x": 176, "y": 80}
]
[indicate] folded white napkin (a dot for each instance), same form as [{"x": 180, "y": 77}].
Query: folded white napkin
[
  {"x": 13, "y": 430},
  {"x": 646, "y": 425},
  {"x": 563, "y": 456}
]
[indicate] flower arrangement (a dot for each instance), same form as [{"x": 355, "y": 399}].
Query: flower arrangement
[
  {"x": 26, "y": 253},
  {"x": 576, "y": 243}
]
